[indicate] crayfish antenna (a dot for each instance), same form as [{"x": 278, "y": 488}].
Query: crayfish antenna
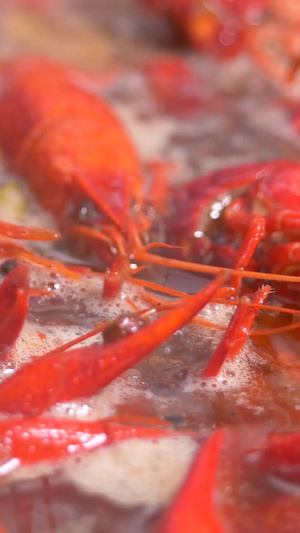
[
  {"x": 153, "y": 259},
  {"x": 84, "y": 371},
  {"x": 193, "y": 509},
  {"x": 253, "y": 237},
  {"x": 237, "y": 332},
  {"x": 13, "y": 308},
  {"x": 147, "y": 247}
]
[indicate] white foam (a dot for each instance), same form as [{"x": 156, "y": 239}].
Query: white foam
[{"x": 135, "y": 472}]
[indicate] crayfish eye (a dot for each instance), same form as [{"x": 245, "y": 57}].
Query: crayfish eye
[
  {"x": 82, "y": 212},
  {"x": 87, "y": 213},
  {"x": 122, "y": 327}
]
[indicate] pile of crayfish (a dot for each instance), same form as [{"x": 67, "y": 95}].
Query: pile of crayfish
[
  {"x": 266, "y": 30},
  {"x": 240, "y": 224}
]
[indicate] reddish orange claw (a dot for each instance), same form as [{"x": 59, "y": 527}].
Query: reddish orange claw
[
  {"x": 193, "y": 510},
  {"x": 13, "y": 307},
  {"x": 50, "y": 439},
  {"x": 84, "y": 371}
]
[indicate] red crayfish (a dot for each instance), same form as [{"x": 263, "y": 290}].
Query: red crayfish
[
  {"x": 54, "y": 132},
  {"x": 264, "y": 194}
]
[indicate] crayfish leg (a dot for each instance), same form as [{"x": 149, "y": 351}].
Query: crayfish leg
[
  {"x": 237, "y": 332},
  {"x": 193, "y": 509},
  {"x": 251, "y": 240},
  {"x": 114, "y": 278}
]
